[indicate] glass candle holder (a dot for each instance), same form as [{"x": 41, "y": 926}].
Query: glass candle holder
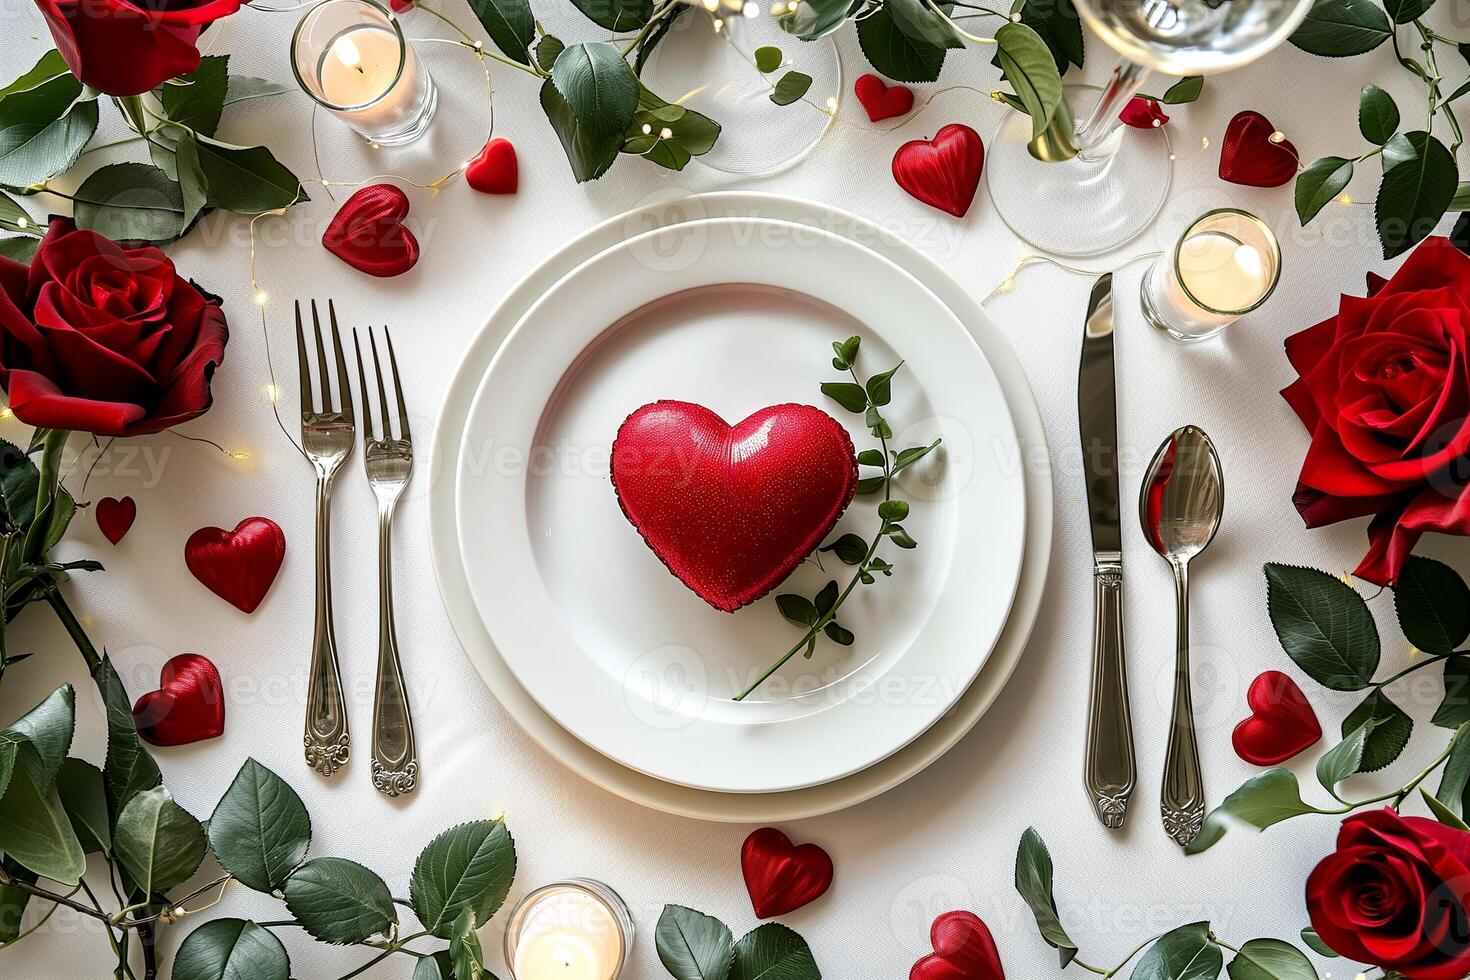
[
  {"x": 1225, "y": 264},
  {"x": 352, "y": 58},
  {"x": 569, "y": 930}
]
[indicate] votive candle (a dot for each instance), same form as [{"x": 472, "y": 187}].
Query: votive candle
[
  {"x": 569, "y": 930},
  {"x": 1226, "y": 264}
]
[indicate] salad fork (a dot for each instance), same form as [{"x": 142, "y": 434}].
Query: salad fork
[
  {"x": 389, "y": 463},
  {"x": 326, "y": 437}
]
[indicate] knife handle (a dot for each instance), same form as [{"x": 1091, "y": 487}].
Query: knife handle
[{"x": 1111, "y": 770}]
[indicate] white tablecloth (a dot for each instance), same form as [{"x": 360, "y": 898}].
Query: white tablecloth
[{"x": 945, "y": 839}]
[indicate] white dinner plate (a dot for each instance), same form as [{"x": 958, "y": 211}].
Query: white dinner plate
[
  {"x": 586, "y": 761},
  {"x": 735, "y": 314}
]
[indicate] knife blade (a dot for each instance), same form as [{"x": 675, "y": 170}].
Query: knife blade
[{"x": 1111, "y": 770}]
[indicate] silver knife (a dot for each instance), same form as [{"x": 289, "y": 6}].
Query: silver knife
[{"x": 1111, "y": 771}]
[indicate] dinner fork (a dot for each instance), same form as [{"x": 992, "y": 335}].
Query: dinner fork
[
  {"x": 389, "y": 463},
  {"x": 326, "y": 436}
]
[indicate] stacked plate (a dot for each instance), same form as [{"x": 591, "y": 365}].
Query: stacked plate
[{"x": 733, "y": 301}]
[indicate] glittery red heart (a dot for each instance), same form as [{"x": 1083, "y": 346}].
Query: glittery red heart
[
  {"x": 1249, "y": 157},
  {"x": 1282, "y": 722},
  {"x": 780, "y": 876},
  {"x": 731, "y": 510},
  {"x": 495, "y": 170},
  {"x": 881, "y": 101},
  {"x": 189, "y": 705},
  {"x": 943, "y": 172},
  {"x": 963, "y": 950},
  {"x": 240, "y": 565},
  {"x": 368, "y": 232},
  {"x": 115, "y": 517}
]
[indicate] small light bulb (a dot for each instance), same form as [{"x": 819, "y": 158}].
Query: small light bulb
[
  {"x": 719, "y": 25},
  {"x": 751, "y": 10},
  {"x": 6, "y": 413},
  {"x": 665, "y": 133},
  {"x": 647, "y": 129},
  {"x": 22, "y": 222},
  {"x": 1277, "y": 137},
  {"x": 711, "y": 5},
  {"x": 1345, "y": 199},
  {"x": 238, "y": 454},
  {"x": 261, "y": 296},
  {"x": 271, "y": 393},
  {"x": 1007, "y": 284},
  {"x": 1016, "y": 18}
]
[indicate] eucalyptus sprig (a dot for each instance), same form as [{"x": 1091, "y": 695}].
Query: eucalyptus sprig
[{"x": 817, "y": 616}]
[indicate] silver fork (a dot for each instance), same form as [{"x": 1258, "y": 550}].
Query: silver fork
[
  {"x": 326, "y": 436},
  {"x": 389, "y": 464}
]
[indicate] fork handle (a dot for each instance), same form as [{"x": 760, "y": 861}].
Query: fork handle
[
  {"x": 326, "y": 738},
  {"x": 395, "y": 758}
]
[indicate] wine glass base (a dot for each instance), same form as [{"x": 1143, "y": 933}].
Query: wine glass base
[{"x": 1077, "y": 207}]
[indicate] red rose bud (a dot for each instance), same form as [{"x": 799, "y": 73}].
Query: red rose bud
[
  {"x": 401, "y": 6},
  {"x": 1141, "y": 113}
]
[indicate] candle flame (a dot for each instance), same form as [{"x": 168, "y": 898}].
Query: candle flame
[{"x": 347, "y": 53}]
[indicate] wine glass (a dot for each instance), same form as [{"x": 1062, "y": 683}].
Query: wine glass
[{"x": 1088, "y": 194}]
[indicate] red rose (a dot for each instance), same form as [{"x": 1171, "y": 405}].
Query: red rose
[
  {"x": 1395, "y": 895},
  {"x": 1141, "y": 113},
  {"x": 1385, "y": 391},
  {"x": 105, "y": 338},
  {"x": 124, "y": 47}
]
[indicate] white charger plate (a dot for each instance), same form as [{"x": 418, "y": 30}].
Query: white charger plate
[{"x": 684, "y": 800}]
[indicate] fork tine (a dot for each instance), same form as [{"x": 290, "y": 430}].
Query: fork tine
[
  {"x": 367, "y": 408},
  {"x": 303, "y": 365},
  {"x": 344, "y": 383},
  {"x": 321, "y": 361},
  {"x": 397, "y": 388},
  {"x": 382, "y": 395}
]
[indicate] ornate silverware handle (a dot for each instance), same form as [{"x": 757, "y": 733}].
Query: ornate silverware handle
[
  {"x": 327, "y": 739},
  {"x": 1111, "y": 770},
  {"x": 1183, "y": 797},
  {"x": 395, "y": 759}
]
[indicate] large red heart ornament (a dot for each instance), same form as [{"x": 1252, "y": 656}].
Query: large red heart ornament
[
  {"x": 115, "y": 517},
  {"x": 880, "y": 100},
  {"x": 189, "y": 705},
  {"x": 943, "y": 172},
  {"x": 1249, "y": 156},
  {"x": 780, "y": 876},
  {"x": 731, "y": 510},
  {"x": 1282, "y": 722},
  {"x": 368, "y": 232},
  {"x": 963, "y": 950},
  {"x": 240, "y": 565},
  {"x": 495, "y": 170}
]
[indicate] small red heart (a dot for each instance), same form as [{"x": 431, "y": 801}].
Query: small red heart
[
  {"x": 114, "y": 517},
  {"x": 780, "y": 876},
  {"x": 189, "y": 705},
  {"x": 1249, "y": 156},
  {"x": 1282, "y": 722},
  {"x": 1141, "y": 113},
  {"x": 240, "y": 565},
  {"x": 368, "y": 232},
  {"x": 495, "y": 170},
  {"x": 882, "y": 101},
  {"x": 963, "y": 950},
  {"x": 943, "y": 172}
]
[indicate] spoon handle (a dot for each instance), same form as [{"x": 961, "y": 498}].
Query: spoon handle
[{"x": 1183, "y": 795}]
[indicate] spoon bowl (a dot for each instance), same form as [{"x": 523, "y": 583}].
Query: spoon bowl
[{"x": 1183, "y": 495}]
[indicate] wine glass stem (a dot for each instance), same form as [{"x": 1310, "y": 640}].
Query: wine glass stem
[{"x": 1099, "y": 137}]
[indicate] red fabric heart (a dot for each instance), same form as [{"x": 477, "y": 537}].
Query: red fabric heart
[
  {"x": 114, "y": 517},
  {"x": 189, "y": 705},
  {"x": 368, "y": 232},
  {"x": 240, "y": 565},
  {"x": 1248, "y": 156},
  {"x": 731, "y": 510},
  {"x": 963, "y": 950},
  {"x": 495, "y": 170},
  {"x": 1141, "y": 113},
  {"x": 943, "y": 172},
  {"x": 780, "y": 876},
  {"x": 1282, "y": 722},
  {"x": 881, "y": 101}
]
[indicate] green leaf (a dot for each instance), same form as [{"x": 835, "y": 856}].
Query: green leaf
[
  {"x": 1324, "y": 625},
  {"x": 247, "y": 179},
  {"x": 428, "y": 969},
  {"x": 260, "y": 829},
  {"x": 1454, "y": 780},
  {"x": 470, "y": 866},
  {"x": 894, "y": 53},
  {"x": 1454, "y": 710},
  {"x": 599, "y": 86},
  {"x": 812, "y": 19},
  {"x": 1386, "y": 740},
  {"x": 909, "y": 457},
  {"x": 617, "y": 15},
  {"x": 510, "y": 24},
  {"x": 1184, "y": 954},
  {"x": 157, "y": 842},
  {"x": 590, "y": 155},
  {"x": 1404, "y": 11},
  {"x": 827, "y": 598},
  {"x": 127, "y": 201},
  {"x": 1378, "y": 116},
  {"x": 51, "y": 65},
  {"x": 877, "y": 424},
  {"x": 13, "y": 901},
  {"x": 797, "y": 609},
  {"x": 791, "y": 87},
  {"x": 13, "y": 217},
  {"x": 1185, "y": 90},
  {"x": 1419, "y": 181},
  {"x": 1270, "y": 959},
  {"x": 79, "y": 785},
  {"x": 922, "y": 23},
  {"x": 548, "y": 49},
  {"x": 1261, "y": 801},
  {"x": 848, "y": 349},
  {"x": 1443, "y": 813},
  {"x": 339, "y": 901},
  {"x": 20, "y": 250},
  {"x": 1433, "y": 605},
  {"x": 692, "y": 945},
  {"x": 1034, "y": 883},
  {"x": 241, "y": 88},
  {"x": 231, "y": 949},
  {"x": 691, "y": 133},
  {"x": 1028, "y": 66},
  {"x": 43, "y": 130},
  {"x": 849, "y": 548},
  {"x": 880, "y": 386},
  {"x": 48, "y": 729},
  {"x": 768, "y": 58},
  {"x": 193, "y": 184},
  {"x": 1058, "y": 25},
  {"x": 870, "y": 457},
  {"x": 839, "y": 634},
  {"x": 657, "y": 35},
  {"x": 34, "y": 827},
  {"x": 465, "y": 953},
  {"x": 1346, "y": 757},
  {"x": 848, "y": 395},
  {"x": 893, "y": 510},
  {"x": 773, "y": 952},
  {"x": 870, "y": 485},
  {"x": 198, "y": 103},
  {"x": 1341, "y": 28},
  {"x": 1319, "y": 184},
  {"x": 1315, "y": 943},
  {"x": 129, "y": 768}
]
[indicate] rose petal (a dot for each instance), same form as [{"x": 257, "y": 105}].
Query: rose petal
[{"x": 37, "y": 401}]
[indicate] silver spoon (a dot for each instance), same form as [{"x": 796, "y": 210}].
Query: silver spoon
[{"x": 1181, "y": 502}]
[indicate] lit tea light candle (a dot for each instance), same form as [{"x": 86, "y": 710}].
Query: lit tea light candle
[
  {"x": 569, "y": 930},
  {"x": 1225, "y": 264}
]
